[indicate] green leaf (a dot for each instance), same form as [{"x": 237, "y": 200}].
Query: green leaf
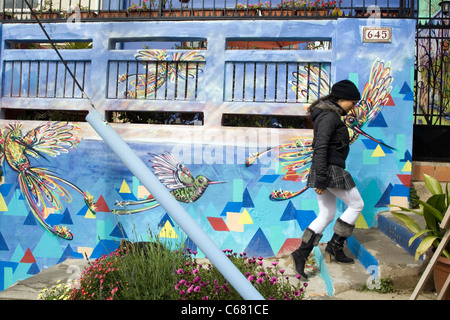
[
  {"x": 432, "y": 184},
  {"x": 424, "y": 246},
  {"x": 418, "y": 234},
  {"x": 447, "y": 195},
  {"x": 435, "y": 212},
  {"x": 406, "y": 209},
  {"x": 409, "y": 222},
  {"x": 438, "y": 201}
]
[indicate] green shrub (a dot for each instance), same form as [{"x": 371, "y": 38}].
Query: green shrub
[{"x": 152, "y": 271}]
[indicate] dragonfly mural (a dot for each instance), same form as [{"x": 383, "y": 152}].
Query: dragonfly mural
[
  {"x": 158, "y": 68},
  {"x": 176, "y": 177},
  {"x": 297, "y": 156},
  {"x": 42, "y": 188}
]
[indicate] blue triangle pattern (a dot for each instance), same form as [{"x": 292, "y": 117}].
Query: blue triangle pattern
[
  {"x": 289, "y": 212},
  {"x": 305, "y": 217},
  {"x": 384, "y": 200},
  {"x": 34, "y": 269},
  {"x": 247, "y": 201},
  {"x": 119, "y": 231},
  {"x": 259, "y": 246},
  {"x": 3, "y": 245},
  {"x": 30, "y": 220},
  {"x": 104, "y": 247},
  {"x": 378, "y": 121}
]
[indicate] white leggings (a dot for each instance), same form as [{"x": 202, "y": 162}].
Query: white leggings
[{"x": 327, "y": 207}]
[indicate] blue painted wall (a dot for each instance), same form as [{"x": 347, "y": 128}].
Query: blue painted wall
[{"x": 237, "y": 214}]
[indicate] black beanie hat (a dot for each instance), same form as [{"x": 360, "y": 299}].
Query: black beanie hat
[{"x": 345, "y": 89}]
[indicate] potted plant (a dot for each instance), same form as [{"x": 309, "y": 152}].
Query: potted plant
[
  {"x": 47, "y": 10},
  {"x": 307, "y": 7},
  {"x": 141, "y": 9},
  {"x": 432, "y": 211}
]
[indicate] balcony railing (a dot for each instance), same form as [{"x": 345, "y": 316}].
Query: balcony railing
[{"x": 125, "y": 10}]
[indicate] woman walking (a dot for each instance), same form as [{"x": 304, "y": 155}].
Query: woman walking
[{"x": 328, "y": 176}]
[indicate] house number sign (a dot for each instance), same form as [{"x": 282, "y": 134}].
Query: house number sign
[{"x": 377, "y": 34}]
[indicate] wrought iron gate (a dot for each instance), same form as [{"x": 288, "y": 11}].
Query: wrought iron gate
[{"x": 432, "y": 87}]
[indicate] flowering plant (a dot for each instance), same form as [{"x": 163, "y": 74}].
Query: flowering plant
[
  {"x": 159, "y": 273},
  {"x": 99, "y": 280},
  {"x": 59, "y": 292},
  {"x": 144, "y": 6},
  {"x": 255, "y": 6},
  {"x": 308, "y": 4},
  {"x": 195, "y": 281}
]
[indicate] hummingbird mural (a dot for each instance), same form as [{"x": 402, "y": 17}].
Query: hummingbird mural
[
  {"x": 159, "y": 67},
  {"x": 176, "y": 177},
  {"x": 297, "y": 156},
  {"x": 41, "y": 187}
]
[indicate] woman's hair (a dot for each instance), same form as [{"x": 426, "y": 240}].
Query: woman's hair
[{"x": 328, "y": 97}]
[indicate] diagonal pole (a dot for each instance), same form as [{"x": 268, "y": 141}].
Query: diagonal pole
[{"x": 162, "y": 195}]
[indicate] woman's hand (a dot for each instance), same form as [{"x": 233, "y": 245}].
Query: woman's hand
[{"x": 319, "y": 191}]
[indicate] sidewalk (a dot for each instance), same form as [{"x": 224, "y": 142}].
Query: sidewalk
[{"x": 346, "y": 280}]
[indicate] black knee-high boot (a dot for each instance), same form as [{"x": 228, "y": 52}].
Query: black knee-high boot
[
  {"x": 300, "y": 256},
  {"x": 335, "y": 246}
]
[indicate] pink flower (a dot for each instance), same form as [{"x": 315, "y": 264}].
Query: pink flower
[
  {"x": 260, "y": 280},
  {"x": 273, "y": 280},
  {"x": 251, "y": 278},
  {"x": 197, "y": 289}
]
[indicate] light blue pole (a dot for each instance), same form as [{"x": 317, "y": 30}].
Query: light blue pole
[{"x": 173, "y": 207}]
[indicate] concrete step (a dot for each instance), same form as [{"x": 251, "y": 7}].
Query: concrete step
[
  {"x": 384, "y": 252},
  {"x": 379, "y": 253}
]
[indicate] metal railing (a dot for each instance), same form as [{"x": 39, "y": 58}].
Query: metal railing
[{"x": 125, "y": 10}]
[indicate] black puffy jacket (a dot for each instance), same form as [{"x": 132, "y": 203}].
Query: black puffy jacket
[{"x": 331, "y": 139}]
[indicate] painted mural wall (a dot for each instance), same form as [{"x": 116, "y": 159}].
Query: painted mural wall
[{"x": 66, "y": 195}]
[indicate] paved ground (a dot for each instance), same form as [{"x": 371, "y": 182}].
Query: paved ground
[{"x": 347, "y": 278}]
